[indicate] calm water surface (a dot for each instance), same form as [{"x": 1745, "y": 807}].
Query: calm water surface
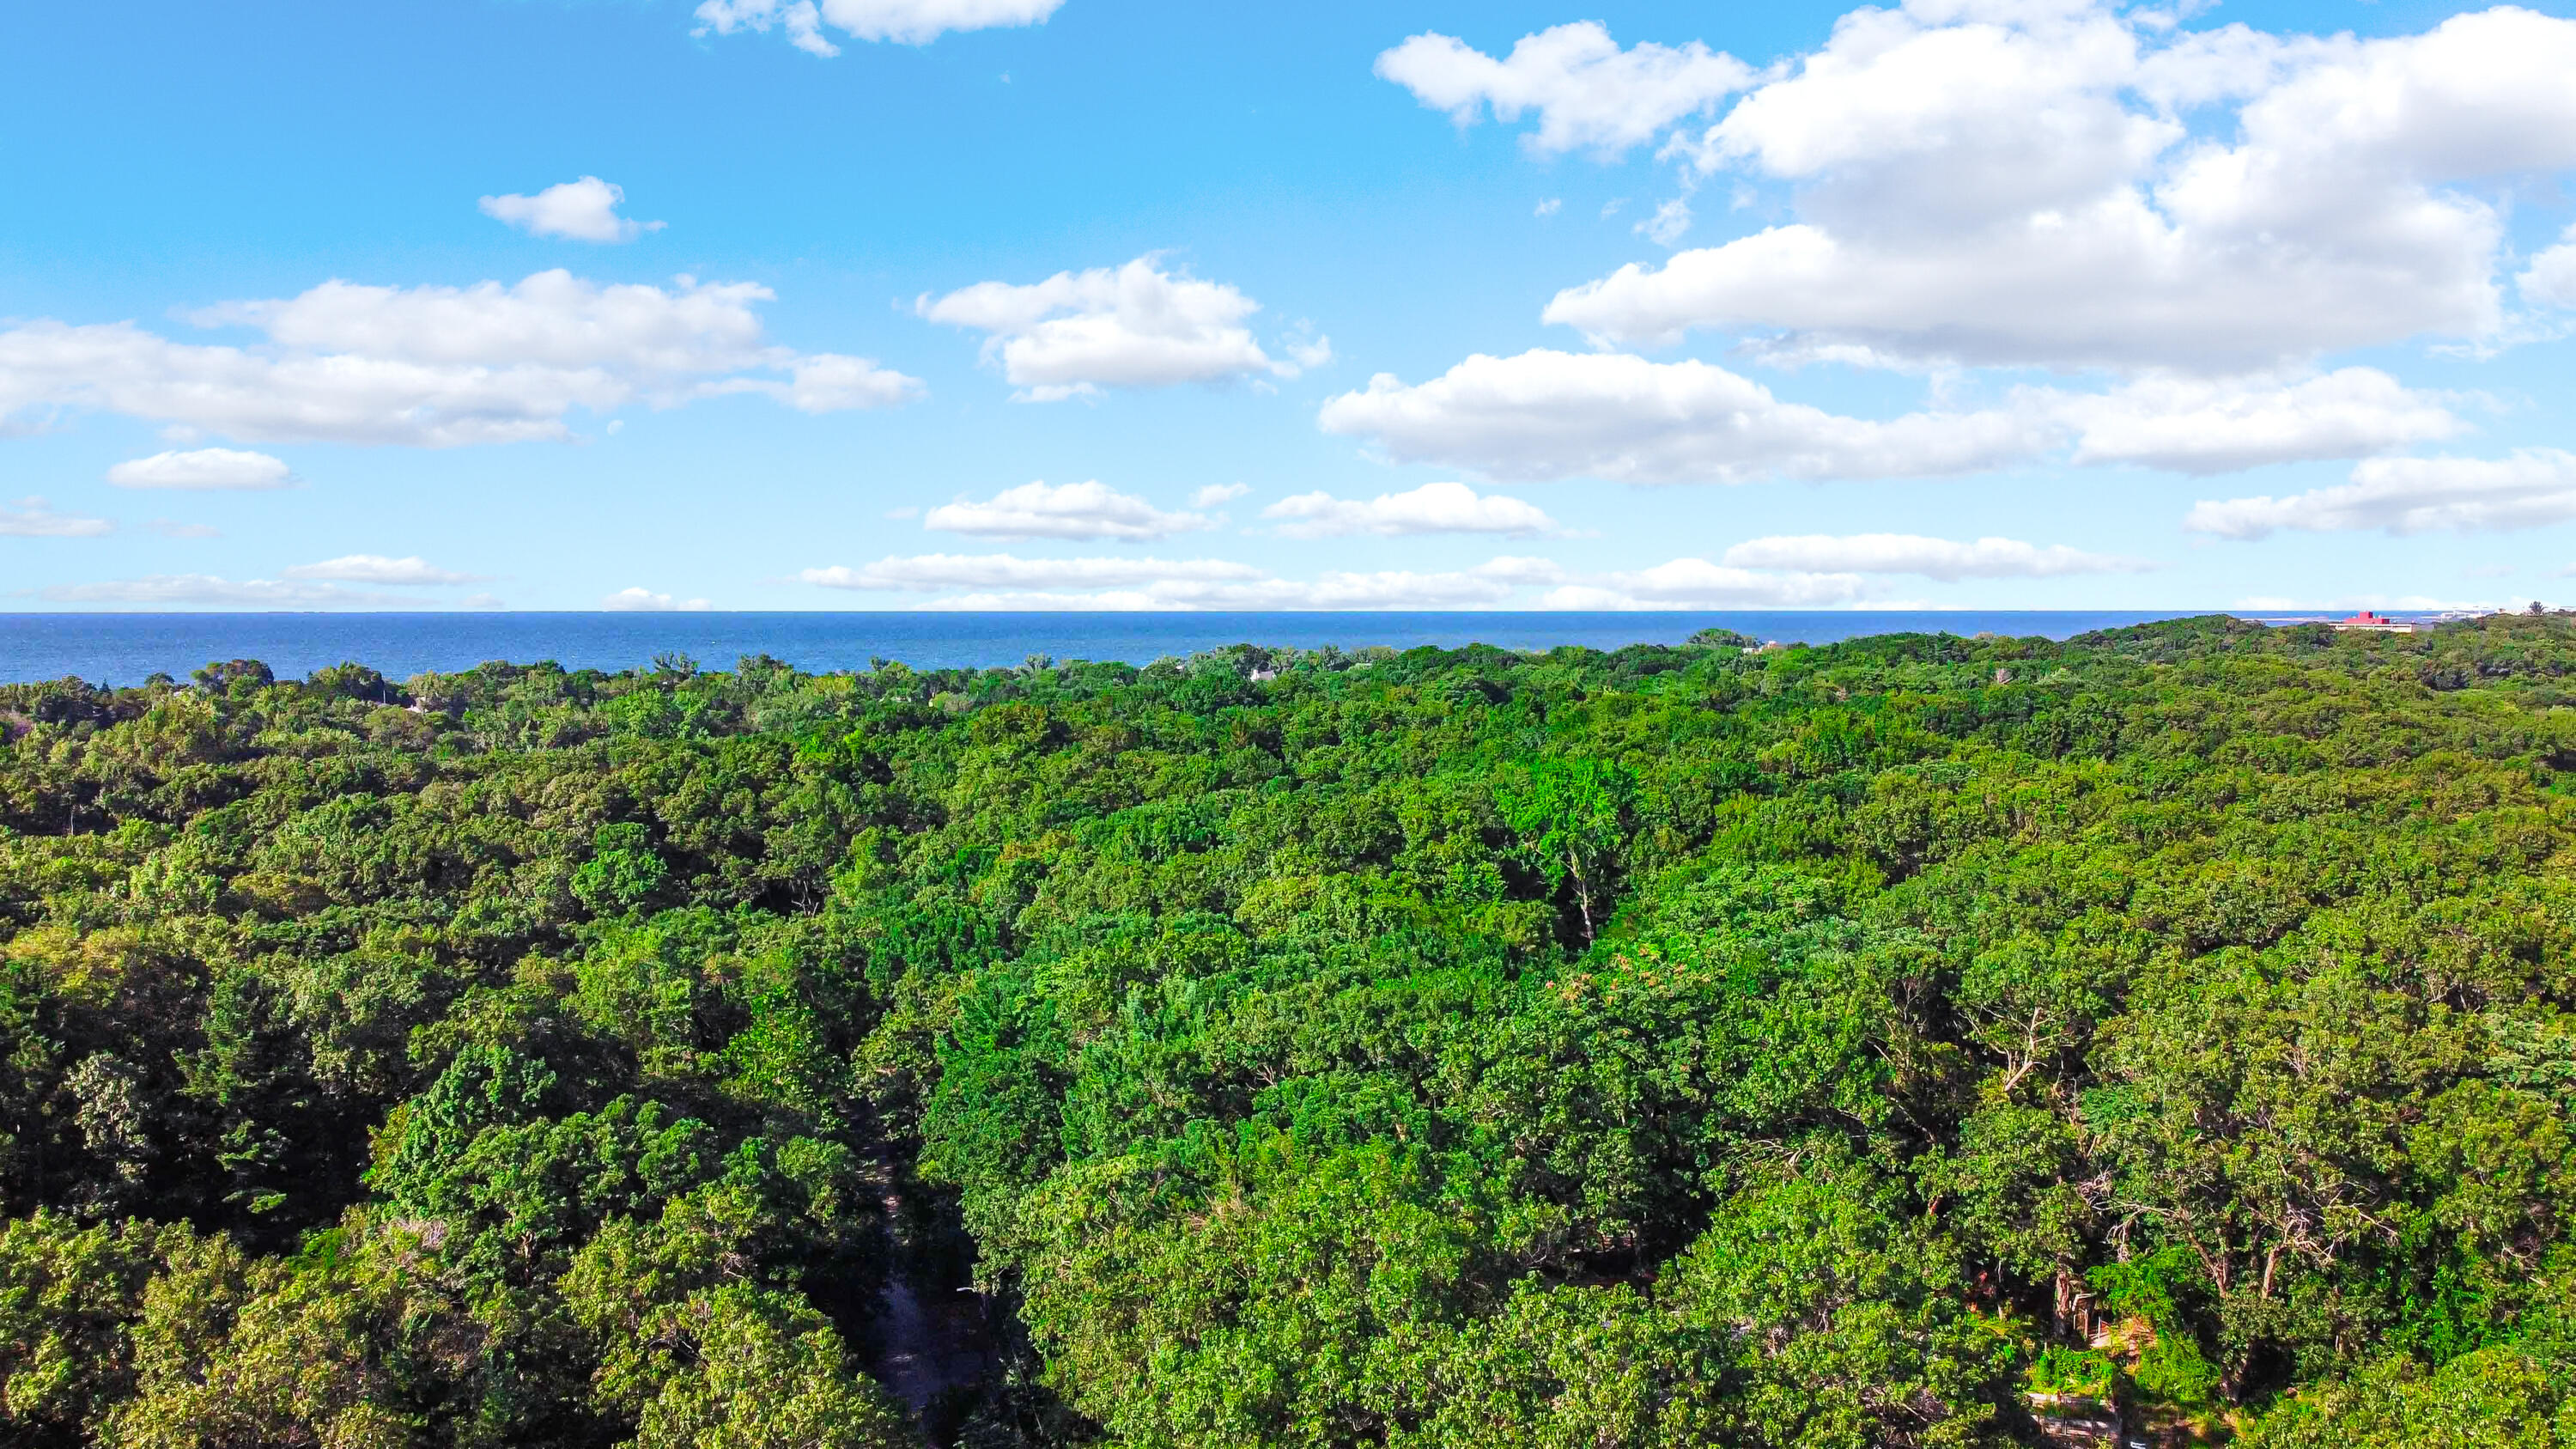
[{"x": 125, "y": 648}]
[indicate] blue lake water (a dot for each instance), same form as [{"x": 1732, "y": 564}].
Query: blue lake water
[{"x": 125, "y": 648}]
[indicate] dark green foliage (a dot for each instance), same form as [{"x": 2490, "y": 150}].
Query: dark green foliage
[{"x": 1897, "y": 1043}]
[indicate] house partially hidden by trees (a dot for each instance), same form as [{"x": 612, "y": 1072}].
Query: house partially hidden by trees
[{"x": 2375, "y": 623}]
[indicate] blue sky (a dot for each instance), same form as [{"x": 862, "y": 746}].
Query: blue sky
[{"x": 1090, "y": 303}]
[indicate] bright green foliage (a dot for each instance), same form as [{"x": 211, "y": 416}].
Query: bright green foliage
[
  {"x": 2153, "y": 1290},
  {"x": 1895, "y": 1043},
  {"x": 67, "y": 1294},
  {"x": 765, "y": 1373},
  {"x": 2492, "y": 1399},
  {"x": 344, "y": 1344},
  {"x": 1574, "y": 818},
  {"x": 2080, "y": 1373},
  {"x": 623, "y": 874}
]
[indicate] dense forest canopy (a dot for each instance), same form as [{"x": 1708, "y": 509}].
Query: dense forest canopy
[{"x": 1916, "y": 1041}]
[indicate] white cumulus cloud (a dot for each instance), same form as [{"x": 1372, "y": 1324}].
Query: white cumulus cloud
[
  {"x": 1002, "y": 581},
  {"x": 1091, "y": 510},
  {"x": 372, "y": 568},
  {"x": 1938, "y": 558},
  {"x": 641, "y": 600},
  {"x": 1549, "y": 415},
  {"x": 2017, "y": 185},
  {"x": 2197, "y": 425},
  {"x": 1217, "y": 495},
  {"x": 1587, "y": 92},
  {"x": 433, "y": 366},
  {"x": 35, "y": 518},
  {"x": 928, "y": 573},
  {"x": 1665, "y": 227},
  {"x": 2232, "y": 423},
  {"x": 1118, "y": 601},
  {"x": 549, "y": 319},
  {"x": 906, "y": 22},
  {"x": 584, "y": 210},
  {"x": 2550, "y": 280},
  {"x": 824, "y": 382},
  {"x": 1695, "y": 583},
  {"x": 203, "y": 468},
  {"x": 1484, "y": 586},
  {"x": 1431, "y": 508},
  {"x": 1133, "y": 326},
  {"x": 1007, "y": 582},
  {"x": 2533, "y": 487},
  {"x": 213, "y": 591}
]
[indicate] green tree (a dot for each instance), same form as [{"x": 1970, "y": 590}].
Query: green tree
[{"x": 1574, "y": 818}]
